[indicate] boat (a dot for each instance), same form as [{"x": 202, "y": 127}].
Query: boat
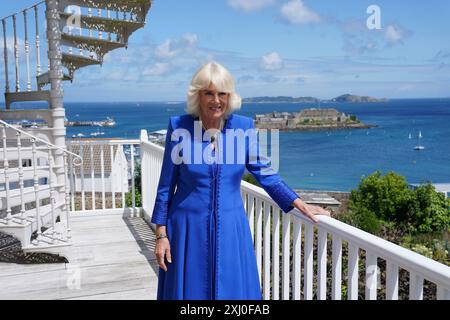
[
  {"x": 419, "y": 146},
  {"x": 109, "y": 122}
]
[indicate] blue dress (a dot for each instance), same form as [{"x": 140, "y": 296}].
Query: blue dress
[{"x": 201, "y": 206}]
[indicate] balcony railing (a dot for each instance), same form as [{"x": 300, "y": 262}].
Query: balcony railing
[
  {"x": 285, "y": 244},
  {"x": 106, "y": 177}
]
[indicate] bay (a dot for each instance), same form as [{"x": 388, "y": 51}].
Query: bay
[{"x": 323, "y": 160}]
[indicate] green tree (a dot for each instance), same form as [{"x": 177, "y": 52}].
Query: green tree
[
  {"x": 388, "y": 201},
  {"x": 432, "y": 209}
]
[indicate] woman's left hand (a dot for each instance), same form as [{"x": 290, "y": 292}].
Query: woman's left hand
[{"x": 309, "y": 210}]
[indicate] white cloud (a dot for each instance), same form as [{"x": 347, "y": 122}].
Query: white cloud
[
  {"x": 271, "y": 61},
  {"x": 173, "y": 47},
  {"x": 250, "y": 5},
  {"x": 395, "y": 34},
  {"x": 158, "y": 69},
  {"x": 296, "y": 12}
]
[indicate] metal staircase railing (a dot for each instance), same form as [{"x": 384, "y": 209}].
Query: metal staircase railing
[
  {"x": 29, "y": 197},
  {"x": 37, "y": 58},
  {"x": 82, "y": 33}
]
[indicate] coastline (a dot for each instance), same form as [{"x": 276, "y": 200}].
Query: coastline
[{"x": 317, "y": 128}]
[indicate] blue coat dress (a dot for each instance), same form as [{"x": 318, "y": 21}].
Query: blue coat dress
[{"x": 201, "y": 206}]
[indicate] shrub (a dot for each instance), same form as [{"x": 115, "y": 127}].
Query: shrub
[{"x": 388, "y": 199}]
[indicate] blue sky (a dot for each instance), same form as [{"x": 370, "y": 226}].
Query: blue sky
[{"x": 320, "y": 48}]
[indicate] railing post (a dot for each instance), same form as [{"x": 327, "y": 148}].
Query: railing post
[
  {"x": 308, "y": 262},
  {"x": 5, "y": 56},
  {"x": 285, "y": 242},
  {"x": 27, "y": 50},
  {"x": 91, "y": 148},
  {"x": 21, "y": 182},
  {"x": 297, "y": 260},
  {"x": 322, "y": 264},
  {"x": 38, "y": 45},
  {"x": 6, "y": 168},
  {"x": 266, "y": 244},
  {"x": 52, "y": 192},
  {"x": 371, "y": 276},
  {"x": 113, "y": 192},
  {"x": 336, "y": 257},
  {"x": 102, "y": 173},
  {"x": 67, "y": 200},
  {"x": 353, "y": 258},
  {"x": 16, "y": 54},
  {"x": 36, "y": 191},
  {"x": 275, "y": 253},
  {"x": 133, "y": 186}
]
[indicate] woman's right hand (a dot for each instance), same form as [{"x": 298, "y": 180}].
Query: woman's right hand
[{"x": 162, "y": 250}]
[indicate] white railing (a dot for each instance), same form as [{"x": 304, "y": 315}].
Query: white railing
[
  {"x": 284, "y": 267},
  {"x": 22, "y": 48},
  {"x": 30, "y": 195},
  {"x": 107, "y": 176}
]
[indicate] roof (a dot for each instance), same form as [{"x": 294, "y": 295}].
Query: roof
[
  {"x": 159, "y": 132},
  {"x": 96, "y": 156},
  {"x": 440, "y": 187}
]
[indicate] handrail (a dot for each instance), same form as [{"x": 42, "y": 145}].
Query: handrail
[
  {"x": 77, "y": 157},
  {"x": 25, "y": 9},
  {"x": 407, "y": 259}
]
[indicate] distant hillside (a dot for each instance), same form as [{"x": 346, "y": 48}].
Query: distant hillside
[
  {"x": 281, "y": 99},
  {"x": 348, "y": 98},
  {"x": 354, "y": 98}
]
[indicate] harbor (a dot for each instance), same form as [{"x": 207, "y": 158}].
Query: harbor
[{"x": 109, "y": 122}]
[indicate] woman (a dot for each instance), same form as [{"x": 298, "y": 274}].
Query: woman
[{"x": 204, "y": 245}]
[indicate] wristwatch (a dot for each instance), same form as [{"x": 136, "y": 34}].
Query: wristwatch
[{"x": 161, "y": 235}]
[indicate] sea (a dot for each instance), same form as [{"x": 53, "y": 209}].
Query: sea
[{"x": 320, "y": 160}]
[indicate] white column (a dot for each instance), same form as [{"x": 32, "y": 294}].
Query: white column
[{"x": 56, "y": 91}]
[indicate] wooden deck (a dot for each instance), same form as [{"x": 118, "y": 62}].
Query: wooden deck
[{"x": 112, "y": 258}]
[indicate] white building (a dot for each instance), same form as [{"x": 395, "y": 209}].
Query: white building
[{"x": 112, "y": 169}]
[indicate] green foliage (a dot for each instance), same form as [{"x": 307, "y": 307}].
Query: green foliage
[
  {"x": 250, "y": 179},
  {"x": 387, "y": 201},
  {"x": 432, "y": 209},
  {"x": 353, "y": 117},
  {"x": 138, "y": 188},
  {"x": 129, "y": 199}
]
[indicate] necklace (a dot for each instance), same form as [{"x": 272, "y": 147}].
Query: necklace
[{"x": 216, "y": 132}]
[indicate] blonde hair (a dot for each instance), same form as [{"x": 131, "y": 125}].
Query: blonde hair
[{"x": 214, "y": 73}]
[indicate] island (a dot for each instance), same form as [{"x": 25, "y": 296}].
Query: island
[
  {"x": 312, "y": 119},
  {"x": 346, "y": 98}
]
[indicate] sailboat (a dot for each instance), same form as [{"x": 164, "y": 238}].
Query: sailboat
[{"x": 419, "y": 147}]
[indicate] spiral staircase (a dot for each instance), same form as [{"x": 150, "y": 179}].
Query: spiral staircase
[{"x": 44, "y": 45}]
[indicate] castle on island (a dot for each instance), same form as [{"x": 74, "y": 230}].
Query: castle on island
[{"x": 308, "y": 119}]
